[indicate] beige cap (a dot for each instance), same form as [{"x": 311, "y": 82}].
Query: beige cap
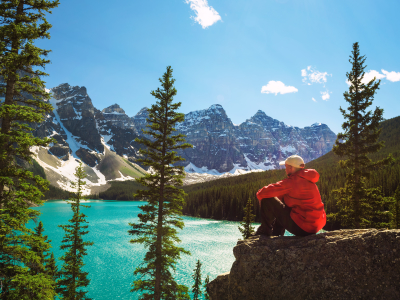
[{"x": 294, "y": 161}]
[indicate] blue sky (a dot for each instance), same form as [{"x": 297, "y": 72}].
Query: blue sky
[{"x": 288, "y": 58}]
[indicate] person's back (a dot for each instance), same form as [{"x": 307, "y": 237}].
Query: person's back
[{"x": 294, "y": 203}]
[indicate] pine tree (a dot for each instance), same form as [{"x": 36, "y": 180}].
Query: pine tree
[
  {"x": 21, "y": 106},
  {"x": 72, "y": 278},
  {"x": 160, "y": 217},
  {"x": 41, "y": 246},
  {"x": 196, "y": 290},
  {"x": 51, "y": 268},
  {"x": 207, "y": 281},
  {"x": 40, "y": 250},
  {"x": 360, "y": 207},
  {"x": 395, "y": 210},
  {"x": 246, "y": 229}
]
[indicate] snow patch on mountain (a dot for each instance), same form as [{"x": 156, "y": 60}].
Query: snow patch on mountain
[
  {"x": 74, "y": 145},
  {"x": 191, "y": 168}
]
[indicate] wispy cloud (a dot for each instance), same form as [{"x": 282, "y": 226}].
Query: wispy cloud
[
  {"x": 311, "y": 75},
  {"x": 391, "y": 76},
  {"x": 205, "y": 15},
  {"x": 277, "y": 87},
  {"x": 313, "y": 99},
  {"x": 325, "y": 95}
]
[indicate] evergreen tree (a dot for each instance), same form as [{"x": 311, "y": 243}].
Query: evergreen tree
[
  {"x": 22, "y": 91},
  {"x": 41, "y": 249},
  {"x": 161, "y": 215},
  {"x": 395, "y": 210},
  {"x": 72, "y": 278},
  {"x": 51, "y": 268},
  {"x": 246, "y": 229},
  {"x": 207, "y": 281},
  {"x": 360, "y": 207},
  {"x": 196, "y": 290}
]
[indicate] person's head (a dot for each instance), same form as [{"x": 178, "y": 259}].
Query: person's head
[{"x": 293, "y": 164}]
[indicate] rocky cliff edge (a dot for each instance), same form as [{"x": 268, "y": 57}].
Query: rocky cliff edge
[{"x": 343, "y": 264}]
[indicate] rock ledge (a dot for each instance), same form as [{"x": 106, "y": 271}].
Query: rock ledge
[{"x": 343, "y": 264}]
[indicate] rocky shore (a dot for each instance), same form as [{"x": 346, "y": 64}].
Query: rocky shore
[{"x": 343, "y": 264}]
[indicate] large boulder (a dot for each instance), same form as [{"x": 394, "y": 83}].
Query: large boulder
[{"x": 343, "y": 264}]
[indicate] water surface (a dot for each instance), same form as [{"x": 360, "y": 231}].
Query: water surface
[{"x": 112, "y": 259}]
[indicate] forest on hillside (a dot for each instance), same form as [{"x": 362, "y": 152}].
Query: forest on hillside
[{"x": 225, "y": 199}]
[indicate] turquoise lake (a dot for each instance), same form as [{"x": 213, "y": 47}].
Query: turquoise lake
[{"x": 112, "y": 259}]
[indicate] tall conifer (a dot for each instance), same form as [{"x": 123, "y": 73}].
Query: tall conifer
[
  {"x": 196, "y": 288},
  {"x": 51, "y": 268},
  {"x": 21, "y": 106},
  {"x": 360, "y": 207},
  {"x": 45, "y": 265},
  {"x": 72, "y": 278},
  {"x": 246, "y": 229},
  {"x": 206, "y": 281},
  {"x": 160, "y": 216},
  {"x": 395, "y": 210},
  {"x": 40, "y": 249}
]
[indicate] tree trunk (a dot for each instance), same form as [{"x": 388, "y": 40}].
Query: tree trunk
[{"x": 157, "y": 291}]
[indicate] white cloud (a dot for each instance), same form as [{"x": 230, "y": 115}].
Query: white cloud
[
  {"x": 313, "y": 99},
  {"x": 205, "y": 15},
  {"x": 391, "y": 76},
  {"x": 325, "y": 95},
  {"x": 277, "y": 87},
  {"x": 368, "y": 76},
  {"x": 312, "y": 75}
]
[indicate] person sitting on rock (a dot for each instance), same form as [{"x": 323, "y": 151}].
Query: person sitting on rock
[{"x": 293, "y": 204}]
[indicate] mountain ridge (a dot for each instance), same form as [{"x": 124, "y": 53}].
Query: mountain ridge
[{"x": 107, "y": 137}]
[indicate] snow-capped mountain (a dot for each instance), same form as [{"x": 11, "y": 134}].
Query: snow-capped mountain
[
  {"x": 259, "y": 143},
  {"x": 104, "y": 141}
]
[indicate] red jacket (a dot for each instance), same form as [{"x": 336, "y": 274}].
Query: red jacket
[{"x": 299, "y": 192}]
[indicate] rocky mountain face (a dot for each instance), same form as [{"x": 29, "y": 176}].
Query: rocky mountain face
[
  {"x": 259, "y": 143},
  {"x": 117, "y": 117},
  {"x": 87, "y": 134},
  {"x": 343, "y": 264}
]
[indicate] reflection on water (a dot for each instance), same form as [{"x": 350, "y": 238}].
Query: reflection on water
[{"x": 112, "y": 259}]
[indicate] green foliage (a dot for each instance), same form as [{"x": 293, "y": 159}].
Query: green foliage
[
  {"x": 246, "y": 229},
  {"x": 55, "y": 193},
  {"x": 41, "y": 247},
  {"x": 161, "y": 215},
  {"x": 207, "y": 281},
  {"x": 395, "y": 210},
  {"x": 196, "y": 290},
  {"x": 225, "y": 199},
  {"x": 72, "y": 278},
  {"x": 121, "y": 190},
  {"x": 360, "y": 207},
  {"x": 22, "y": 22},
  {"x": 219, "y": 199},
  {"x": 36, "y": 169},
  {"x": 51, "y": 268}
]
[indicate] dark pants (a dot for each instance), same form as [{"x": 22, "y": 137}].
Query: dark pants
[{"x": 275, "y": 219}]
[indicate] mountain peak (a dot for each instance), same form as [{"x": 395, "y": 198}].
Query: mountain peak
[
  {"x": 316, "y": 124},
  {"x": 216, "y": 106},
  {"x": 142, "y": 113},
  {"x": 115, "y": 108},
  {"x": 261, "y": 116}
]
